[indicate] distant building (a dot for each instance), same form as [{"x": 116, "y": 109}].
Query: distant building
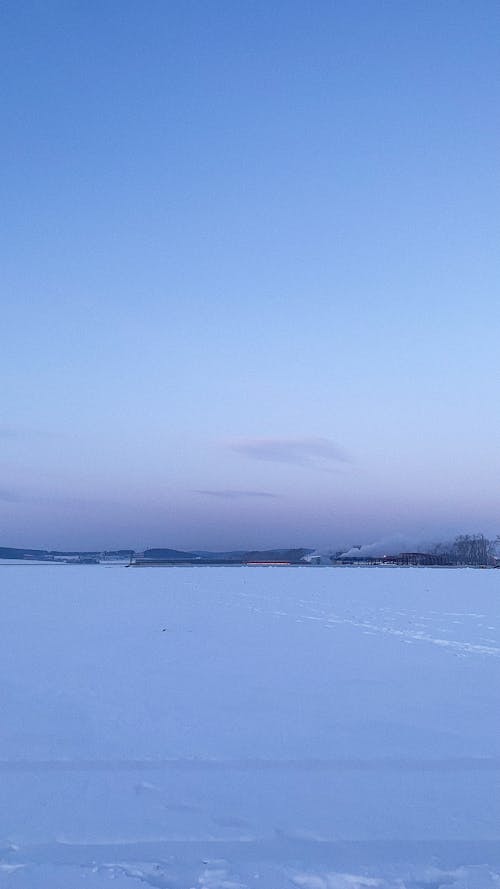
[{"x": 421, "y": 559}]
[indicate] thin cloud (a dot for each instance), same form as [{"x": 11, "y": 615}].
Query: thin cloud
[
  {"x": 310, "y": 453},
  {"x": 10, "y": 432},
  {"x": 25, "y": 433},
  {"x": 8, "y": 496},
  {"x": 236, "y": 495}
]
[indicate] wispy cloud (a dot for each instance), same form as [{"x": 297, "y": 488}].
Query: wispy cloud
[
  {"x": 9, "y": 496},
  {"x": 25, "y": 433},
  {"x": 311, "y": 453},
  {"x": 229, "y": 494},
  {"x": 8, "y": 432}
]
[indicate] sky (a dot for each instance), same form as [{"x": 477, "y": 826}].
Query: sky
[{"x": 249, "y": 272}]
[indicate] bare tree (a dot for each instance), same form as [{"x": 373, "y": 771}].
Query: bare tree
[{"x": 472, "y": 549}]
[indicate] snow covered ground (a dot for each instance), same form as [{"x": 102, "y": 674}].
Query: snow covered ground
[{"x": 223, "y": 728}]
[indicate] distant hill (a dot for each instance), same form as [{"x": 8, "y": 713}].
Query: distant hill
[
  {"x": 276, "y": 555},
  {"x": 295, "y": 556},
  {"x": 169, "y": 554},
  {"x": 46, "y": 555},
  {"x": 268, "y": 555},
  {"x": 8, "y": 552}
]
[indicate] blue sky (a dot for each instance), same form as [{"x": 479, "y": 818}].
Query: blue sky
[{"x": 250, "y": 276}]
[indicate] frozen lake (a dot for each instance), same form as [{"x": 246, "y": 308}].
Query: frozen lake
[{"x": 223, "y": 728}]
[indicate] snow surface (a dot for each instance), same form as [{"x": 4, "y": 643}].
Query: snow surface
[{"x": 223, "y": 728}]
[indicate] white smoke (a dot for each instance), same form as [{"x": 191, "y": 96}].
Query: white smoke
[
  {"x": 319, "y": 557},
  {"x": 388, "y": 546}
]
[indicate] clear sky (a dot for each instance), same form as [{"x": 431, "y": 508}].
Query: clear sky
[{"x": 250, "y": 273}]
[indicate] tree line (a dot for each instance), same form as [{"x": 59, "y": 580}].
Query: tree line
[{"x": 469, "y": 549}]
